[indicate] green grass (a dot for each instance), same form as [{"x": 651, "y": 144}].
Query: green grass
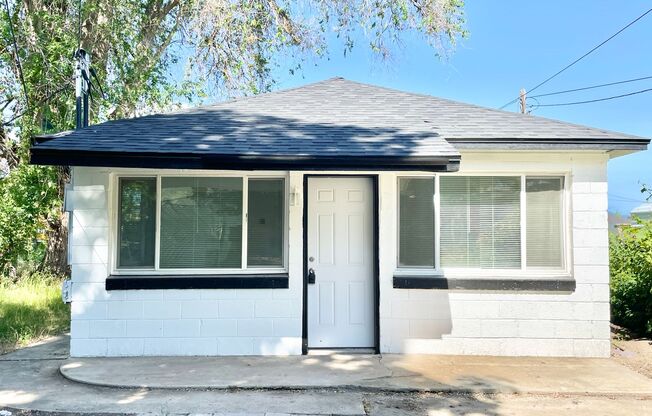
[{"x": 31, "y": 309}]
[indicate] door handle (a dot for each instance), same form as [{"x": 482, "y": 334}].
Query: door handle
[{"x": 311, "y": 276}]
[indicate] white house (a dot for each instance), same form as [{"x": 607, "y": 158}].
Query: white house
[
  {"x": 338, "y": 215},
  {"x": 643, "y": 211}
]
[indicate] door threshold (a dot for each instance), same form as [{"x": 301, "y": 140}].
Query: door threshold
[{"x": 333, "y": 351}]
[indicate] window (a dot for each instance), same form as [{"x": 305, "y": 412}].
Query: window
[
  {"x": 417, "y": 222},
  {"x": 484, "y": 222},
  {"x": 204, "y": 223}
]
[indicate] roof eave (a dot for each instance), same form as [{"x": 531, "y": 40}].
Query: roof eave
[
  {"x": 629, "y": 144},
  {"x": 58, "y": 157}
]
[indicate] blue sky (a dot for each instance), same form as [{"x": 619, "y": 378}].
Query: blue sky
[{"x": 515, "y": 44}]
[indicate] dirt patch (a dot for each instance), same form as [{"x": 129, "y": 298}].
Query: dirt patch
[{"x": 632, "y": 352}]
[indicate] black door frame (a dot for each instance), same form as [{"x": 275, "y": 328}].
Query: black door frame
[{"x": 376, "y": 257}]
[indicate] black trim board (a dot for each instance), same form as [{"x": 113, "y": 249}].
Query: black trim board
[
  {"x": 46, "y": 156},
  {"x": 485, "y": 284},
  {"x": 376, "y": 265},
  {"x": 231, "y": 281}
]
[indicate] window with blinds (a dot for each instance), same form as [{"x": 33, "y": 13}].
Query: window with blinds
[
  {"x": 480, "y": 222},
  {"x": 416, "y": 222},
  {"x": 485, "y": 222},
  {"x": 544, "y": 207},
  {"x": 201, "y": 223}
]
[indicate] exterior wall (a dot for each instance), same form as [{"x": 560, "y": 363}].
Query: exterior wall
[{"x": 268, "y": 321}]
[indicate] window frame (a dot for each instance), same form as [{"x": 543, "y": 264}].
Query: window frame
[
  {"x": 157, "y": 270},
  {"x": 524, "y": 270}
]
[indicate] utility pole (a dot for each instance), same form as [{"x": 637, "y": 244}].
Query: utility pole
[
  {"x": 82, "y": 88},
  {"x": 523, "y": 99}
]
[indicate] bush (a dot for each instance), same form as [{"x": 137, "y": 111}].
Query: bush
[{"x": 631, "y": 277}]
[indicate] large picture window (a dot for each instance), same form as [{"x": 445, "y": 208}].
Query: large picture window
[
  {"x": 203, "y": 223},
  {"x": 484, "y": 222}
]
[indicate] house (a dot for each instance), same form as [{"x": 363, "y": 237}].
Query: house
[
  {"x": 338, "y": 215},
  {"x": 643, "y": 211}
]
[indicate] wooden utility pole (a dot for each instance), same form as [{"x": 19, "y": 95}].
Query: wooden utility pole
[{"x": 523, "y": 100}]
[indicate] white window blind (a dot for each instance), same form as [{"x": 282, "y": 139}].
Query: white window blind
[
  {"x": 136, "y": 222},
  {"x": 480, "y": 222},
  {"x": 416, "y": 222},
  {"x": 265, "y": 222},
  {"x": 544, "y": 225},
  {"x": 201, "y": 222}
]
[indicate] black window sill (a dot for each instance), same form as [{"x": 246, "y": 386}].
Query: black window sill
[
  {"x": 558, "y": 285},
  {"x": 230, "y": 281}
]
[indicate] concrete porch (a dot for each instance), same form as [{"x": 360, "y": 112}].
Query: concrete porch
[{"x": 379, "y": 373}]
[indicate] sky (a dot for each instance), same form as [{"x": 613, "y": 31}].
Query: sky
[{"x": 517, "y": 44}]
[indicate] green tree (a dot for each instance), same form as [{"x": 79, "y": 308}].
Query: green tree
[{"x": 231, "y": 47}]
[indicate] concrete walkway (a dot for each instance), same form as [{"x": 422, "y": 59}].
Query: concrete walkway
[{"x": 387, "y": 373}]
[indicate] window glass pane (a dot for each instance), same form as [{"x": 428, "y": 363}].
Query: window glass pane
[
  {"x": 201, "y": 222},
  {"x": 544, "y": 222},
  {"x": 416, "y": 222},
  {"x": 265, "y": 222},
  {"x": 480, "y": 221},
  {"x": 136, "y": 222}
]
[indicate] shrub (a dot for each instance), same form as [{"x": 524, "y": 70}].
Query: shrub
[{"x": 631, "y": 277}]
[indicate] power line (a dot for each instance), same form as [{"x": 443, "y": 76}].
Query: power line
[
  {"x": 591, "y": 87},
  {"x": 581, "y": 57},
  {"x": 19, "y": 66},
  {"x": 596, "y": 100}
]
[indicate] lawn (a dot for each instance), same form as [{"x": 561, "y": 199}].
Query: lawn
[{"x": 31, "y": 309}]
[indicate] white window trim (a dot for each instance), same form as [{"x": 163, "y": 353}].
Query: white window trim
[
  {"x": 114, "y": 178},
  {"x": 523, "y": 271}
]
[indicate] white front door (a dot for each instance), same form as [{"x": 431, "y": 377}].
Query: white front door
[{"x": 340, "y": 252}]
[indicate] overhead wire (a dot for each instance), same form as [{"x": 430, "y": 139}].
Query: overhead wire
[
  {"x": 597, "y": 99},
  {"x": 581, "y": 57},
  {"x": 590, "y": 87}
]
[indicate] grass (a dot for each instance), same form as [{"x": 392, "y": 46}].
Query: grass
[{"x": 31, "y": 309}]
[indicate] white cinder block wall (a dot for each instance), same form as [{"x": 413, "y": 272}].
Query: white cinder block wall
[{"x": 268, "y": 321}]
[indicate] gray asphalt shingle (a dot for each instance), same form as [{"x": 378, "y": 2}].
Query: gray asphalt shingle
[{"x": 335, "y": 117}]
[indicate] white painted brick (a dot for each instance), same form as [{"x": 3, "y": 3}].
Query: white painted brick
[
  {"x": 591, "y": 274},
  {"x": 467, "y": 327},
  {"x": 235, "y": 346},
  {"x": 144, "y": 294},
  {"x": 87, "y": 292},
  {"x": 600, "y": 330},
  {"x": 509, "y": 310},
  {"x": 429, "y": 328},
  {"x": 583, "y": 311},
  {"x": 162, "y": 346},
  {"x": 199, "y": 309},
  {"x": 125, "y": 310},
  {"x": 79, "y": 329},
  {"x": 212, "y": 294},
  {"x": 536, "y": 329},
  {"x": 498, "y": 328},
  {"x": 181, "y": 294},
  {"x": 601, "y": 311},
  {"x": 145, "y": 328},
  {"x": 276, "y": 309},
  {"x": 600, "y": 293},
  {"x": 88, "y": 272},
  {"x": 590, "y": 238},
  {"x": 235, "y": 309},
  {"x": 88, "y": 310},
  {"x": 581, "y": 187},
  {"x": 125, "y": 347},
  {"x": 573, "y": 329},
  {"x": 88, "y": 347},
  {"x": 86, "y": 197},
  {"x": 107, "y": 329},
  {"x": 91, "y": 218},
  {"x": 90, "y": 236},
  {"x": 284, "y": 327},
  {"x": 219, "y": 327},
  {"x": 199, "y": 346},
  {"x": 591, "y": 348},
  {"x": 257, "y": 327},
  {"x": 591, "y": 220},
  {"x": 181, "y": 328},
  {"x": 554, "y": 310},
  {"x": 253, "y": 294},
  {"x": 89, "y": 254},
  {"x": 599, "y": 187},
  {"x": 277, "y": 346},
  {"x": 161, "y": 310},
  {"x": 589, "y": 202},
  {"x": 593, "y": 256},
  {"x": 394, "y": 328}
]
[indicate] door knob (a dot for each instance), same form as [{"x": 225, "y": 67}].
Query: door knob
[{"x": 311, "y": 276}]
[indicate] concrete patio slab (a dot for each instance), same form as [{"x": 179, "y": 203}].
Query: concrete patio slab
[{"x": 386, "y": 373}]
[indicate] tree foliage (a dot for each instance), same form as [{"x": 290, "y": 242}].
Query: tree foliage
[
  {"x": 225, "y": 47},
  {"x": 631, "y": 277}
]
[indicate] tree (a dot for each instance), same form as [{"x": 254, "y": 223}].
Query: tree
[{"x": 231, "y": 47}]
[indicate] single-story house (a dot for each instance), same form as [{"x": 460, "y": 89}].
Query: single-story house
[{"x": 338, "y": 215}]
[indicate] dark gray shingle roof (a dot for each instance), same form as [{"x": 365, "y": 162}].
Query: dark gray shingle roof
[{"x": 335, "y": 117}]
